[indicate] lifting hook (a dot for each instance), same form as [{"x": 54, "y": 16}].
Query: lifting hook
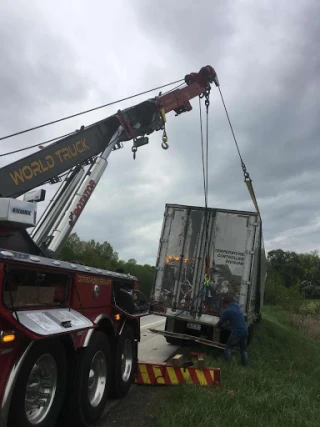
[{"x": 164, "y": 144}]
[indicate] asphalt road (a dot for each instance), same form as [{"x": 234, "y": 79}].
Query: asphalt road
[{"x": 153, "y": 347}]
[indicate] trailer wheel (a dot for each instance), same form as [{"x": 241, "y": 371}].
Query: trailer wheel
[
  {"x": 175, "y": 341},
  {"x": 124, "y": 363},
  {"x": 90, "y": 389},
  {"x": 40, "y": 388}
]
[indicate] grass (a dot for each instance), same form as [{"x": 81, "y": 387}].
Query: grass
[
  {"x": 308, "y": 325},
  {"x": 279, "y": 388},
  {"x": 307, "y": 319},
  {"x": 311, "y": 307}
]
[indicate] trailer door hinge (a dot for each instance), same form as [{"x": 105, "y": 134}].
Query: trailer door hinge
[{"x": 246, "y": 282}]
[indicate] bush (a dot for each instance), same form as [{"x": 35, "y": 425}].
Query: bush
[
  {"x": 276, "y": 293},
  {"x": 312, "y": 292},
  {"x": 273, "y": 285}
]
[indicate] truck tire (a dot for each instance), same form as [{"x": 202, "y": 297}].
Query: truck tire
[
  {"x": 124, "y": 363},
  {"x": 175, "y": 341},
  {"x": 41, "y": 386},
  {"x": 90, "y": 385}
]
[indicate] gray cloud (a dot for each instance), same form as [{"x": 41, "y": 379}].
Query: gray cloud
[
  {"x": 268, "y": 64},
  {"x": 40, "y": 74},
  {"x": 191, "y": 31},
  {"x": 269, "y": 70}
]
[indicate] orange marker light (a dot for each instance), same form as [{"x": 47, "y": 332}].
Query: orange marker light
[
  {"x": 8, "y": 337},
  {"x": 117, "y": 316}
]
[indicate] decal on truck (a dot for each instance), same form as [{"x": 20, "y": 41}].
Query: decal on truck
[
  {"x": 21, "y": 211},
  {"x": 83, "y": 200},
  {"x": 93, "y": 279},
  {"x": 29, "y": 171}
]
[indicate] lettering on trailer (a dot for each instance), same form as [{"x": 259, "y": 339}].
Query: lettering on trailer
[
  {"x": 21, "y": 211},
  {"x": 94, "y": 280},
  {"x": 231, "y": 257},
  {"x": 29, "y": 171}
]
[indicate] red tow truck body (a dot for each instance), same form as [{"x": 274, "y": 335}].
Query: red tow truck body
[{"x": 75, "y": 301}]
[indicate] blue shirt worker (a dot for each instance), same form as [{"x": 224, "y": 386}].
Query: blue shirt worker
[{"x": 239, "y": 329}]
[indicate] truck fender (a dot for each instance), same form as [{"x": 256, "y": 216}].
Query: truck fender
[
  {"x": 70, "y": 348},
  {"x": 5, "y": 404},
  {"x": 122, "y": 326},
  {"x": 104, "y": 323},
  {"x": 134, "y": 325}
]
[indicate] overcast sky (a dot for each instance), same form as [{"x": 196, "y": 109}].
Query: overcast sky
[{"x": 59, "y": 57}]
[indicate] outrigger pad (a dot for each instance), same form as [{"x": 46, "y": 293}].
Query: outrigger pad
[{"x": 166, "y": 374}]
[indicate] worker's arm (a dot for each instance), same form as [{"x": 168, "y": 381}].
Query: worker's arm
[{"x": 223, "y": 318}]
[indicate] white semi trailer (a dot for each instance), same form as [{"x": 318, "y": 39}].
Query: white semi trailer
[{"x": 203, "y": 254}]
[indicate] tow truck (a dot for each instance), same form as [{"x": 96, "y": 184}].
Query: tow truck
[{"x": 69, "y": 333}]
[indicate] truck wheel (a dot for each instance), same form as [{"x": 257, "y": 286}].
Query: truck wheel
[
  {"x": 124, "y": 363},
  {"x": 40, "y": 388},
  {"x": 174, "y": 341},
  {"x": 91, "y": 382}
]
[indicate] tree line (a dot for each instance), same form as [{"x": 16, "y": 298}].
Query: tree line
[
  {"x": 102, "y": 255},
  {"x": 286, "y": 269},
  {"x": 289, "y": 269}
]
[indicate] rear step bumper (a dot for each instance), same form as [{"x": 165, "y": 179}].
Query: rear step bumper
[{"x": 188, "y": 338}]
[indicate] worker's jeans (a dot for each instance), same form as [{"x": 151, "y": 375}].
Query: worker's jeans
[{"x": 235, "y": 341}]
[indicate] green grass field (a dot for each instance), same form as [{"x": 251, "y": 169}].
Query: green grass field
[{"x": 279, "y": 388}]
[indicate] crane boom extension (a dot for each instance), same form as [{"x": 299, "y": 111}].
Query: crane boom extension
[
  {"x": 62, "y": 214},
  {"x": 44, "y": 166},
  {"x": 91, "y": 146}
]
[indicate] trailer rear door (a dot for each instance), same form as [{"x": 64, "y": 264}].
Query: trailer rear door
[{"x": 180, "y": 268}]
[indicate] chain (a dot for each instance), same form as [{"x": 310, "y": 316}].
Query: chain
[
  {"x": 207, "y": 97},
  {"x": 245, "y": 172},
  {"x": 207, "y": 103}
]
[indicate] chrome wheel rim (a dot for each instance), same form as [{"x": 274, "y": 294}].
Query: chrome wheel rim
[
  {"x": 41, "y": 389},
  {"x": 126, "y": 360},
  {"x": 97, "y": 378}
]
